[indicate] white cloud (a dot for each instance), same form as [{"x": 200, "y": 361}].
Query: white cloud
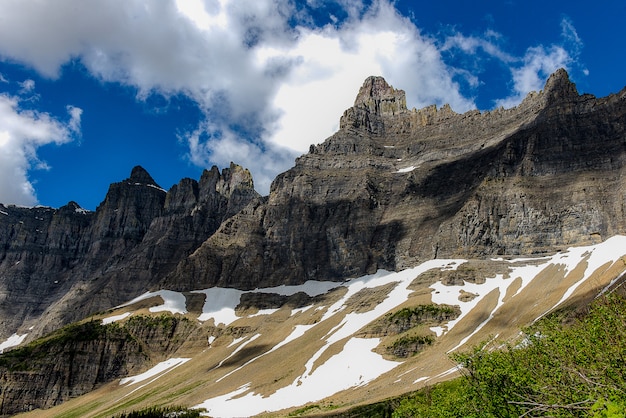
[
  {"x": 75, "y": 115},
  {"x": 21, "y": 133},
  {"x": 331, "y": 64},
  {"x": 269, "y": 82},
  {"x": 472, "y": 44},
  {"x": 274, "y": 86},
  {"x": 27, "y": 86},
  {"x": 213, "y": 144},
  {"x": 538, "y": 63}
]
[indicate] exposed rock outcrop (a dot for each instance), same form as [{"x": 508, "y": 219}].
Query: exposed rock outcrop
[{"x": 78, "y": 358}]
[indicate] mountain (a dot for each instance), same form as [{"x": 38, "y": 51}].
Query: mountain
[
  {"x": 60, "y": 265},
  {"x": 411, "y": 233}
]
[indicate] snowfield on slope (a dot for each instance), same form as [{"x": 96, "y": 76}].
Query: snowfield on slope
[{"x": 354, "y": 363}]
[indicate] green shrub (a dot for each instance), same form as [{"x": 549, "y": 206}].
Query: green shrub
[
  {"x": 162, "y": 412},
  {"x": 560, "y": 370}
]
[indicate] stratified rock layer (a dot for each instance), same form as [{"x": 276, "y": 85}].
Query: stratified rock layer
[
  {"x": 81, "y": 357},
  {"x": 392, "y": 188}
]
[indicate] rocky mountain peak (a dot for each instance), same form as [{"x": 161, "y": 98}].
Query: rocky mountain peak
[
  {"x": 141, "y": 176},
  {"x": 72, "y": 207},
  {"x": 235, "y": 177},
  {"x": 559, "y": 87},
  {"x": 377, "y": 96},
  {"x": 231, "y": 179}
]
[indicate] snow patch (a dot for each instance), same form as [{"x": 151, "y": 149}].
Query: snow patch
[
  {"x": 597, "y": 255},
  {"x": 175, "y": 302},
  {"x": 12, "y": 341},
  {"x": 406, "y": 169},
  {"x": 115, "y": 318},
  {"x": 356, "y": 365},
  {"x": 264, "y": 312},
  {"x": 610, "y": 250},
  {"x": 158, "y": 370},
  {"x": 254, "y": 337},
  {"x": 154, "y": 186},
  {"x": 220, "y": 303}
]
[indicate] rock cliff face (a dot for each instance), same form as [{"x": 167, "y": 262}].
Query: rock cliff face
[
  {"x": 393, "y": 187},
  {"x": 78, "y": 358}
]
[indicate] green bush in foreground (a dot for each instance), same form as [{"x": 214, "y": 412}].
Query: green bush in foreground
[{"x": 575, "y": 370}]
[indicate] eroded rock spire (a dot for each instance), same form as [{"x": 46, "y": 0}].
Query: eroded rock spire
[{"x": 377, "y": 96}]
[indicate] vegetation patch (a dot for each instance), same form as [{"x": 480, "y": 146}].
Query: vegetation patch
[
  {"x": 566, "y": 365},
  {"x": 164, "y": 321},
  {"x": 405, "y": 319},
  {"x": 409, "y": 345},
  {"x": 305, "y": 410},
  {"x": 165, "y": 412},
  {"x": 66, "y": 339}
]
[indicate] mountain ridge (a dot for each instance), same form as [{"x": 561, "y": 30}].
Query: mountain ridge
[
  {"x": 390, "y": 174},
  {"x": 393, "y": 189}
]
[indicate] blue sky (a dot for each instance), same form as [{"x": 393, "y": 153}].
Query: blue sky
[{"x": 89, "y": 89}]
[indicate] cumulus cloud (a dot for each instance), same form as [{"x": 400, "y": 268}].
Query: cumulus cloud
[
  {"x": 213, "y": 144},
  {"x": 21, "y": 133},
  {"x": 268, "y": 80},
  {"x": 265, "y": 78},
  {"x": 330, "y": 64},
  {"x": 488, "y": 43}
]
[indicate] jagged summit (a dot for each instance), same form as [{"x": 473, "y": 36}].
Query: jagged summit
[
  {"x": 377, "y": 96},
  {"x": 139, "y": 175},
  {"x": 381, "y": 109},
  {"x": 560, "y": 87}
]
